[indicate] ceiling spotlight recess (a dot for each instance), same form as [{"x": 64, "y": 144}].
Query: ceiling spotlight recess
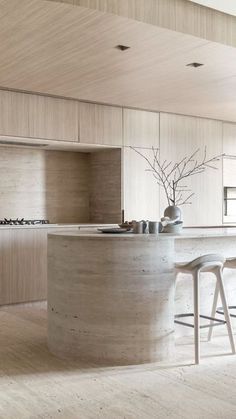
[
  {"x": 195, "y": 65},
  {"x": 122, "y": 47}
]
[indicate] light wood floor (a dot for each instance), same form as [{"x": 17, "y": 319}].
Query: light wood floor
[{"x": 34, "y": 384}]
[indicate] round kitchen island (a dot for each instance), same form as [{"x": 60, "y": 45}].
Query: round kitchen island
[{"x": 111, "y": 297}]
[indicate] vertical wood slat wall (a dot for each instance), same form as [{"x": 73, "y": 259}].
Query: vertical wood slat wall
[
  {"x": 176, "y": 136},
  {"x": 140, "y": 191},
  {"x": 180, "y": 136}
]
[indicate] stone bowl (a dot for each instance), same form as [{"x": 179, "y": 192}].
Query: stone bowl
[{"x": 173, "y": 228}]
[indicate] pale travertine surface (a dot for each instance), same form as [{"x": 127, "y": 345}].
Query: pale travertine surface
[{"x": 111, "y": 297}]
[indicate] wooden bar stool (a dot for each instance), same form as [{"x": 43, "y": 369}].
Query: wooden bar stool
[
  {"x": 208, "y": 263},
  {"x": 230, "y": 263}
]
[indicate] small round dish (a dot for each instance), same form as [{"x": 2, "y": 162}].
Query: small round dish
[{"x": 114, "y": 230}]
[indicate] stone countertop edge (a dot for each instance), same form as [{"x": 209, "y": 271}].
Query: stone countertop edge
[
  {"x": 187, "y": 233},
  {"x": 62, "y": 225}
]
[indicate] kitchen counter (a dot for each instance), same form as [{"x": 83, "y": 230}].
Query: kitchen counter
[
  {"x": 59, "y": 225},
  {"x": 111, "y": 298},
  {"x": 186, "y": 233}
]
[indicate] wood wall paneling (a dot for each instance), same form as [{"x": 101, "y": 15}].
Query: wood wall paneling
[
  {"x": 36, "y": 116},
  {"x": 100, "y": 124},
  {"x": 179, "y": 137},
  {"x": 141, "y": 193},
  {"x": 141, "y": 128}
]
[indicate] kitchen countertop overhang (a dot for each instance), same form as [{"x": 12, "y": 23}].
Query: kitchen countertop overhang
[{"x": 187, "y": 233}]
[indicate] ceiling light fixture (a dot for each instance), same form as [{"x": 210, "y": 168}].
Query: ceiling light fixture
[
  {"x": 122, "y": 47},
  {"x": 195, "y": 65}
]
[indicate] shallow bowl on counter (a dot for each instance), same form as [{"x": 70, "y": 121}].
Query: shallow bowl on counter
[{"x": 173, "y": 228}]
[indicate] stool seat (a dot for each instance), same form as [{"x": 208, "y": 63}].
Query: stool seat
[
  {"x": 230, "y": 263},
  {"x": 213, "y": 263},
  {"x": 205, "y": 263}
]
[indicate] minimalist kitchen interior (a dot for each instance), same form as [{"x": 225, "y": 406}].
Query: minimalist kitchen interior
[{"x": 117, "y": 209}]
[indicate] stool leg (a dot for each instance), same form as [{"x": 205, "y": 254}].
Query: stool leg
[
  {"x": 196, "y": 316},
  {"x": 219, "y": 277},
  {"x": 213, "y": 311}
]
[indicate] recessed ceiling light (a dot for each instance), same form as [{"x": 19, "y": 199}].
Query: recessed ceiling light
[
  {"x": 122, "y": 47},
  {"x": 195, "y": 65}
]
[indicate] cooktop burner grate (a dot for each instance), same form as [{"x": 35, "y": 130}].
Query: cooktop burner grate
[{"x": 22, "y": 221}]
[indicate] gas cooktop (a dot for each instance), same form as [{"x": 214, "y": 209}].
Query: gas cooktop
[{"x": 22, "y": 221}]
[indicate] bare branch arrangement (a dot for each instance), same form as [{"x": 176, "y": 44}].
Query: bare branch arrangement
[{"x": 170, "y": 175}]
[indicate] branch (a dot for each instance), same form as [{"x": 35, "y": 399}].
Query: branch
[
  {"x": 158, "y": 176},
  {"x": 186, "y": 167}
]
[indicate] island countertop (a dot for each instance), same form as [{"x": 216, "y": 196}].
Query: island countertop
[
  {"x": 112, "y": 297},
  {"x": 186, "y": 233}
]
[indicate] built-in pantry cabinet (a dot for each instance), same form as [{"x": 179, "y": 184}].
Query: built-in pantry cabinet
[
  {"x": 140, "y": 191},
  {"x": 180, "y": 136},
  {"x": 100, "y": 124},
  {"x": 36, "y": 116}
]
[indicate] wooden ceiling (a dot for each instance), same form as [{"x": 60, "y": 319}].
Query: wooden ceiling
[
  {"x": 178, "y": 15},
  {"x": 228, "y": 6},
  {"x": 58, "y": 49}
]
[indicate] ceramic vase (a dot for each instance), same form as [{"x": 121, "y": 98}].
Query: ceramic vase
[{"x": 173, "y": 212}]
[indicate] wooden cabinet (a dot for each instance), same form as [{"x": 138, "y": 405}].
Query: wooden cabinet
[
  {"x": 229, "y": 170},
  {"x": 140, "y": 190},
  {"x": 35, "y": 116},
  {"x": 179, "y": 137},
  {"x": 23, "y": 257},
  {"x": 100, "y": 124},
  {"x": 141, "y": 128},
  {"x": 229, "y": 139}
]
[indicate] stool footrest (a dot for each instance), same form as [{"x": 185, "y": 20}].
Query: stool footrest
[
  {"x": 220, "y": 310},
  {"x": 218, "y": 322}
]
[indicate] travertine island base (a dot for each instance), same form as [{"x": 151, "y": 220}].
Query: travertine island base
[{"x": 111, "y": 297}]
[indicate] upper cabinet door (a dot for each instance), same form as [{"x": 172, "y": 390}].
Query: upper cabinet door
[
  {"x": 180, "y": 136},
  {"x": 229, "y": 139},
  {"x": 100, "y": 124},
  {"x": 141, "y": 128},
  {"x": 35, "y": 116},
  {"x": 140, "y": 189}
]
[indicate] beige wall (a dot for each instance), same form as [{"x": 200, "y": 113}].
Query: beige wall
[
  {"x": 62, "y": 186},
  {"x": 105, "y": 186},
  {"x": 44, "y": 184}
]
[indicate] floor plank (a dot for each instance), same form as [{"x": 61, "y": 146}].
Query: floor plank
[{"x": 36, "y": 385}]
